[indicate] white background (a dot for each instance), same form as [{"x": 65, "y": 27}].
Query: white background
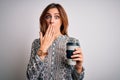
[{"x": 96, "y": 23}]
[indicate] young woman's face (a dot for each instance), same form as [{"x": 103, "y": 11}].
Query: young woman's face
[{"x": 53, "y": 17}]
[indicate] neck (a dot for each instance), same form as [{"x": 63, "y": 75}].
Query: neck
[{"x": 57, "y": 35}]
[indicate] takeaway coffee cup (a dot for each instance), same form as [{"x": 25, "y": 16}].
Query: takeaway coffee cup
[{"x": 69, "y": 52}]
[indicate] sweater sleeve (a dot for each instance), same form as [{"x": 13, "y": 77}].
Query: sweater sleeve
[
  {"x": 76, "y": 75},
  {"x": 35, "y": 65}
]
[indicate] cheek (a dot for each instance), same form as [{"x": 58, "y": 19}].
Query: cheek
[
  {"x": 59, "y": 23},
  {"x": 47, "y": 23}
]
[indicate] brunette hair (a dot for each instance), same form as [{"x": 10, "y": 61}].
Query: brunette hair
[{"x": 63, "y": 16}]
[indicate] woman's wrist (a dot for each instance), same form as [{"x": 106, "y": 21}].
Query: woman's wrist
[
  {"x": 43, "y": 49},
  {"x": 42, "y": 52},
  {"x": 79, "y": 68}
]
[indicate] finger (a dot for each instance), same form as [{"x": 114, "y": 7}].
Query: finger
[
  {"x": 48, "y": 30},
  {"x": 49, "y": 35},
  {"x": 78, "y": 48},
  {"x": 52, "y": 32},
  {"x": 78, "y": 59},
  {"x": 78, "y": 51},
  {"x": 52, "y": 35},
  {"x": 41, "y": 37},
  {"x": 50, "y": 26},
  {"x": 77, "y": 56}
]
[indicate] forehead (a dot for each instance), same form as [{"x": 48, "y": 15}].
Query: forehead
[{"x": 53, "y": 10}]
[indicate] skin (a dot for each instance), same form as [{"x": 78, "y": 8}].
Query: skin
[{"x": 54, "y": 22}]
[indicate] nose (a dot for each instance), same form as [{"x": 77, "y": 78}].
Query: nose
[{"x": 52, "y": 20}]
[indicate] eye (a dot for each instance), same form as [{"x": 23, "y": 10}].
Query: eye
[
  {"x": 47, "y": 16},
  {"x": 57, "y": 17}
]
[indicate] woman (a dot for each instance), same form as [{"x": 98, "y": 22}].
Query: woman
[{"x": 48, "y": 54}]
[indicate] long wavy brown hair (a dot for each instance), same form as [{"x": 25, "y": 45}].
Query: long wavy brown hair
[{"x": 63, "y": 16}]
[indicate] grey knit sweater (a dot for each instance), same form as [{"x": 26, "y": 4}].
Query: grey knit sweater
[{"x": 55, "y": 66}]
